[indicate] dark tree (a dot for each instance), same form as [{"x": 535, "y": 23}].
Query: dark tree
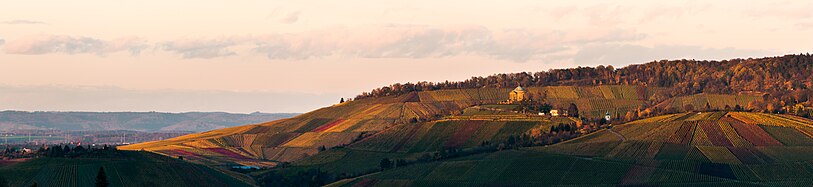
[
  {"x": 400, "y": 163},
  {"x": 322, "y": 148},
  {"x": 688, "y": 108},
  {"x": 66, "y": 149},
  {"x": 79, "y": 149},
  {"x": 101, "y": 178},
  {"x": 3, "y": 182},
  {"x": 341, "y": 100},
  {"x": 573, "y": 110},
  {"x": 385, "y": 163},
  {"x": 55, "y": 151}
]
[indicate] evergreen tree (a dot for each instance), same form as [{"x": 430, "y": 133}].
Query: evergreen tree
[
  {"x": 3, "y": 182},
  {"x": 79, "y": 149},
  {"x": 511, "y": 140},
  {"x": 342, "y": 100},
  {"x": 101, "y": 178},
  {"x": 56, "y": 151},
  {"x": 385, "y": 163},
  {"x": 66, "y": 149}
]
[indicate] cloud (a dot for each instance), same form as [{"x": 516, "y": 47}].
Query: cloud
[
  {"x": 23, "y": 22},
  {"x": 805, "y": 25},
  {"x": 409, "y": 41},
  {"x": 374, "y": 41},
  {"x": 45, "y": 44},
  {"x": 202, "y": 48},
  {"x": 620, "y": 55},
  {"x": 290, "y": 18}
]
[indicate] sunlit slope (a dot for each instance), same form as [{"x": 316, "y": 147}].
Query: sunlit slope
[
  {"x": 719, "y": 137},
  {"x": 714, "y": 101},
  {"x": 295, "y": 138},
  {"x": 292, "y": 139}
]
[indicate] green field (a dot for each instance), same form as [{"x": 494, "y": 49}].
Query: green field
[{"x": 123, "y": 168}]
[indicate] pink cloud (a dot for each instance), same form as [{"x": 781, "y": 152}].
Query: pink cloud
[
  {"x": 43, "y": 44},
  {"x": 375, "y": 41}
]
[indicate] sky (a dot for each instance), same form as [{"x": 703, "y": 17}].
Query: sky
[{"x": 296, "y": 56}]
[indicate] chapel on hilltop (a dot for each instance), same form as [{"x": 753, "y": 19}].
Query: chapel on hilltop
[{"x": 518, "y": 94}]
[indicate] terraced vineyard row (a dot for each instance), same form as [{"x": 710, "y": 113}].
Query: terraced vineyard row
[
  {"x": 705, "y": 136},
  {"x": 715, "y": 101},
  {"x": 601, "y": 92},
  {"x": 441, "y": 135}
]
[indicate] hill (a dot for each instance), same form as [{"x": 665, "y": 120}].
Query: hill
[
  {"x": 349, "y": 138},
  {"x": 426, "y": 125},
  {"x": 295, "y": 138},
  {"x": 123, "y": 168},
  {"x": 141, "y": 121},
  {"x": 696, "y": 149}
]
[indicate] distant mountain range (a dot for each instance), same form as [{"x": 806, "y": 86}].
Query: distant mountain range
[{"x": 140, "y": 121}]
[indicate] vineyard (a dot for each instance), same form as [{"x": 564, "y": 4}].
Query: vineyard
[
  {"x": 441, "y": 135},
  {"x": 715, "y": 101},
  {"x": 685, "y": 148},
  {"x": 689, "y": 149},
  {"x": 342, "y": 124},
  {"x": 522, "y": 168},
  {"x": 720, "y": 137}
]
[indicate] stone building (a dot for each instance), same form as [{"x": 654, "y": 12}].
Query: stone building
[{"x": 518, "y": 94}]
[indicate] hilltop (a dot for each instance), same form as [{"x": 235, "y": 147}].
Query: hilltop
[{"x": 782, "y": 79}]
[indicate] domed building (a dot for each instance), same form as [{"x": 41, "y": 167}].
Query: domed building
[{"x": 518, "y": 94}]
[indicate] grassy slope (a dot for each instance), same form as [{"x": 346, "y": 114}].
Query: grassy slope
[{"x": 123, "y": 168}]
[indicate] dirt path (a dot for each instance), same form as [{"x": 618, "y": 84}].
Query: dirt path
[{"x": 619, "y": 135}]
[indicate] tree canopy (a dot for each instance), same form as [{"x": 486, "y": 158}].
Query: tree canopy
[{"x": 784, "y": 78}]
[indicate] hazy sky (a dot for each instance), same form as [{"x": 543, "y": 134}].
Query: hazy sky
[{"x": 295, "y": 56}]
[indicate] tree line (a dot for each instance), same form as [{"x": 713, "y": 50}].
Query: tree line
[{"x": 784, "y": 79}]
